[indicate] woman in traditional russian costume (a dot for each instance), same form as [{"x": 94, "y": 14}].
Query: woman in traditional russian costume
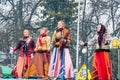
[
  {"x": 61, "y": 64},
  {"x": 26, "y": 47},
  {"x": 101, "y": 66},
  {"x": 40, "y": 63}
]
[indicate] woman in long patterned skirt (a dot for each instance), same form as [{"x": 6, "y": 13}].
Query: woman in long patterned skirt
[
  {"x": 101, "y": 67},
  {"x": 61, "y": 64},
  {"x": 40, "y": 63},
  {"x": 26, "y": 47}
]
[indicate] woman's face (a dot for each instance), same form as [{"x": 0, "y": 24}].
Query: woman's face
[
  {"x": 98, "y": 28},
  {"x": 60, "y": 25},
  {"x": 26, "y": 33},
  {"x": 42, "y": 31}
]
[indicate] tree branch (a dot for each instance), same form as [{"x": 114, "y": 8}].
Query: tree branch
[{"x": 33, "y": 10}]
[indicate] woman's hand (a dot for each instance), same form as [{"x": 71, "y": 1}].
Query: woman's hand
[
  {"x": 81, "y": 43},
  {"x": 11, "y": 50},
  {"x": 106, "y": 42}
]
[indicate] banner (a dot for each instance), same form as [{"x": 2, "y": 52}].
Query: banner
[{"x": 82, "y": 73}]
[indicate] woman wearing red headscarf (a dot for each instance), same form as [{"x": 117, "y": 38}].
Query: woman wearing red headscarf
[
  {"x": 40, "y": 62},
  {"x": 101, "y": 67}
]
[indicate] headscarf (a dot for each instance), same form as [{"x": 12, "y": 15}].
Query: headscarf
[
  {"x": 100, "y": 34},
  {"x": 43, "y": 35},
  {"x": 63, "y": 26}
]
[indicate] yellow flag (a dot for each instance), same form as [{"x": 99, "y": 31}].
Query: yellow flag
[
  {"x": 115, "y": 42},
  {"x": 82, "y": 73}
]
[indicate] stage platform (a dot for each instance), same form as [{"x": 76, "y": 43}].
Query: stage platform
[{"x": 18, "y": 79}]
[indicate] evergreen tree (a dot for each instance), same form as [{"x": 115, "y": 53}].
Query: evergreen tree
[{"x": 55, "y": 10}]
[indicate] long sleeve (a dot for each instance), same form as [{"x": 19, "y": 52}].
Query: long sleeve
[
  {"x": 37, "y": 45},
  {"x": 48, "y": 43},
  {"x": 17, "y": 46},
  {"x": 106, "y": 38},
  {"x": 68, "y": 39},
  {"x": 33, "y": 44},
  {"x": 53, "y": 37},
  {"x": 57, "y": 36},
  {"x": 93, "y": 41}
]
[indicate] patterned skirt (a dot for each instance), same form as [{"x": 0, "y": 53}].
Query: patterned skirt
[
  {"x": 39, "y": 66},
  {"x": 101, "y": 67},
  {"x": 21, "y": 66},
  {"x": 61, "y": 64}
]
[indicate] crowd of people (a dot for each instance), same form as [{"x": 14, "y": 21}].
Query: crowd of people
[{"x": 35, "y": 60}]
